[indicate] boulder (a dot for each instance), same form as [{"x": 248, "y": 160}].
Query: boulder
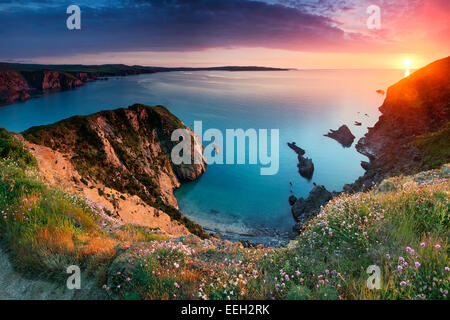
[
  {"x": 304, "y": 209},
  {"x": 292, "y": 200},
  {"x": 343, "y": 135},
  {"x": 305, "y": 167}
]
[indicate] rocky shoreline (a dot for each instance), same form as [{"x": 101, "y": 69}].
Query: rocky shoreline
[
  {"x": 414, "y": 107},
  {"x": 18, "y": 86},
  {"x": 21, "y": 82}
]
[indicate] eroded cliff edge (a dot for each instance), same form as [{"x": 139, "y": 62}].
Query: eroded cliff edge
[
  {"x": 412, "y": 133},
  {"x": 123, "y": 152}
]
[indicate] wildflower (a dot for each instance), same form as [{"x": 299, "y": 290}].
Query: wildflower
[
  {"x": 417, "y": 264},
  {"x": 437, "y": 246},
  {"x": 399, "y": 268},
  {"x": 422, "y": 244},
  {"x": 403, "y": 283},
  {"x": 388, "y": 256}
]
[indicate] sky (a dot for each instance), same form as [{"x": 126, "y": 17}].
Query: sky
[{"x": 200, "y": 33}]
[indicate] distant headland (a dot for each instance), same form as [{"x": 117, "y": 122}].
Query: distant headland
[{"x": 20, "y": 82}]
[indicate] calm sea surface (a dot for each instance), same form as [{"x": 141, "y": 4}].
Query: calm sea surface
[{"x": 303, "y": 105}]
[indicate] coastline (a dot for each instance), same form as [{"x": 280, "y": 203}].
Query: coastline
[{"x": 21, "y": 82}]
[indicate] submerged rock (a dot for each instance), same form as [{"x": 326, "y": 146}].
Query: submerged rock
[
  {"x": 357, "y": 123},
  {"x": 343, "y": 135}
]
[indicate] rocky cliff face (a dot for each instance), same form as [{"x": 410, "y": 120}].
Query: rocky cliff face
[
  {"x": 18, "y": 86},
  {"x": 127, "y": 150},
  {"x": 415, "y": 106},
  {"x": 13, "y": 87}
]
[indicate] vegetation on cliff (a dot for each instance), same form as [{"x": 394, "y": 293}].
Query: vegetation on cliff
[
  {"x": 401, "y": 226},
  {"x": 127, "y": 150}
]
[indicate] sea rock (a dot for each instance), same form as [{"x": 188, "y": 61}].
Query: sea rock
[
  {"x": 365, "y": 165},
  {"x": 343, "y": 135},
  {"x": 305, "y": 165},
  {"x": 380, "y": 91},
  {"x": 304, "y": 209},
  {"x": 357, "y": 123},
  {"x": 292, "y": 200},
  {"x": 296, "y": 148}
]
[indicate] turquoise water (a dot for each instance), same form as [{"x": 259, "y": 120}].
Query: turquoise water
[{"x": 303, "y": 105}]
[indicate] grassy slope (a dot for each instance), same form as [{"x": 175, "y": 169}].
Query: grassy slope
[
  {"x": 402, "y": 223},
  {"x": 46, "y": 230},
  {"x": 436, "y": 148}
]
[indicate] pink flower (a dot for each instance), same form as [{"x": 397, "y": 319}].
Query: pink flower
[
  {"x": 403, "y": 283},
  {"x": 437, "y": 246},
  {"x": 417, "y": 264},
  {"x": 399, "y": 268},
  {"x": 422, "y": 244}
]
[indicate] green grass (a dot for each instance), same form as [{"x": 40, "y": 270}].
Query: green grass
[
  {"x": 406, "y": 227},
  {"x": 11, "y": 148},
  {"x": 44, "y": 229},
  {"x": 436, "y": 147}
]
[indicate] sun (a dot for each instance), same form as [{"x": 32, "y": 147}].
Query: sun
[{"x": 407, "y": 63}]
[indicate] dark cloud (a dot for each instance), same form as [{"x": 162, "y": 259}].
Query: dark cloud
[{"x": 162, "y": 25}]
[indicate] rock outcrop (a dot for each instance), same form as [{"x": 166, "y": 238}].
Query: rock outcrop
[
  {"x": 415, "y": 106},
  {"x": 127, "y": 150},
  {"x": 304, "y": 210},
  {"x": 305, "y": 165},
  {"x": 20, "y": 86},
  {"x": 343, "y": 135},
  {"x": 13, "y": 87}
]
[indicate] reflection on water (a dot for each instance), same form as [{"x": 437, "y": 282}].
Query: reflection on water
[{"x": 407, "y": 73}]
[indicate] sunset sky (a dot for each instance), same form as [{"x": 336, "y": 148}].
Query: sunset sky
[{"x": 278, "y": 33}]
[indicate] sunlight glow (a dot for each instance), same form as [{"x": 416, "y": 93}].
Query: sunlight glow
[{"x": 407, "y": 63}]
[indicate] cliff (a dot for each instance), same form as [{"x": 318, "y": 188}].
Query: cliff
[
  {"x": 19, "y": 82},
  {"x": 13, "y": 87},
  {"x": 21, "y": 85},
  {"x": 126, "y": 150},
  {"x": 416, "y": 109}
]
